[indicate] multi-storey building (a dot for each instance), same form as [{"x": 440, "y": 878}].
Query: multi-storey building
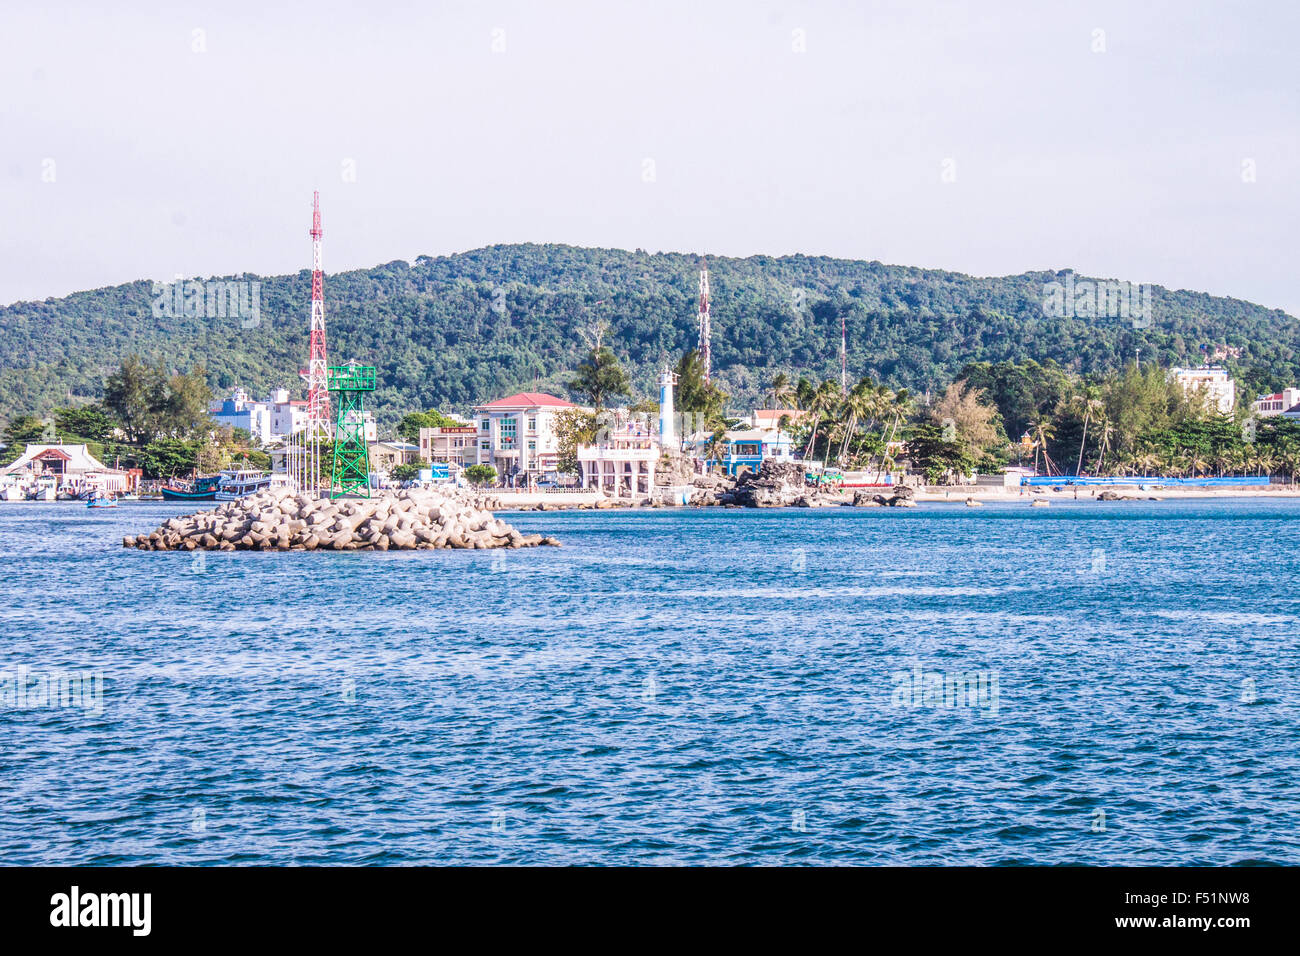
[
  {"x": 516, "y": 435},
  {"x": 267, "y": 420},
  {"x": 453, "y": 445},
  {"x": 1276, "y": 404},
  {"x": 1212, "y": 382},
  {"x": 622, "y": 463}
]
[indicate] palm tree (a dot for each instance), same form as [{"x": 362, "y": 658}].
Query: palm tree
[
  {"x": 781, "y": 390},
  {"x": 715, "y": 449},
  {"x": 861, "y": 402},
  {"x": 824, "y": 401},
  {"x": 1089, "y": 403},
  {"x": 902, "y": 405},
  {"x": 803, "y": 393},
  {"x": 1042, "y": 431},
  {"x": 1107, "y": 433}
]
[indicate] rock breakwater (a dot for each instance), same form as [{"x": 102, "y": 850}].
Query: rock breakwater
[{"x": 406, "y": 520}]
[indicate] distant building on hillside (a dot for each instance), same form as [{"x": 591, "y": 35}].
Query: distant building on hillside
[
  {"x": 267, "y": 420},
  {"x": 516, "y": 435},
  {"x": 1279, "y": 403},
  {"x": 1212, "y": 382}
]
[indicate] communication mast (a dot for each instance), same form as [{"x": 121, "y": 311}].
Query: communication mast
[
  {"x": 318, "y": 431},
  {"x": 706, "y": 354}
]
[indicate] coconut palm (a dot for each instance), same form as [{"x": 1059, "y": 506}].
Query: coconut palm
[
  {"x": 1089, "y": 404},
  {"x": 861, "y": 402},
  {"x": 781, "y": 390},
  {"x": 900, "y": 405},
  {"x": 715, "y": 449},
  {"x": 803, "y": 393},
  {"x": 824, "y": 401},
  {"x": 1106, "y": 429},
  {"x": 1043, "y": 432}
]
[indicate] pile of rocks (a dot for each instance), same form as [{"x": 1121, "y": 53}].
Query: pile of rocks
[
  {"x": 281, "y": 521},
  {"x": 903, "y": 497}
]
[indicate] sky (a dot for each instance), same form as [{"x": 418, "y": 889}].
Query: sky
[{"x": 1150, "y": 142}]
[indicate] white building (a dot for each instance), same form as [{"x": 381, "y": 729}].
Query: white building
[
  {"x": 516, "y": 435},
  {"x": 71, "y": 468},
  {"x": 622, "y": 463},
  {"x": 267, "y": 420},
  {"x": 1279, "y": 403},
  {"x": 1218, "y": 389}
]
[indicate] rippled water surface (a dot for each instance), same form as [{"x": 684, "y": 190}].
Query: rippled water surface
[{"x": 713, "y": 686}]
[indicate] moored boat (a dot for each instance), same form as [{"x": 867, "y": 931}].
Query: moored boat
[
  {"x": 240, "y": 484},
  {"x": 200, "y": 489}
]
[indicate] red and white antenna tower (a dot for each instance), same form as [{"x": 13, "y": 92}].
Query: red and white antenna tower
[
  {"x": 318, "y": 397},
  {"x": 706, "y": 352}
]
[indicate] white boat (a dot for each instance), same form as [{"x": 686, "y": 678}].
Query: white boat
[
  {"x": 46, "y": 489},
  {"x": 239, "y": 484}
]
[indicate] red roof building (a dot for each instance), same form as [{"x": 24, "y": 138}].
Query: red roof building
[{"x": 516, "y": 436}]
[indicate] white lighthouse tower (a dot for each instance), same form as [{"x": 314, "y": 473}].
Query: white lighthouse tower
[{"x": 667, "y": 428}]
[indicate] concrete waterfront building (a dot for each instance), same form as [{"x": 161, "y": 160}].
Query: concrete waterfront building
[
  {"x": 622, "y": 462},
  {"x": 71, "y": 468},
  {"x": 743, "y": 448},
  {"x": 1284, "y": 402},
  {"x": 516, "y": 436},
  {"x": 450, "y": 445},
  {"x": 770, "y": 418},
  {"x": 1212, "y": 382}
]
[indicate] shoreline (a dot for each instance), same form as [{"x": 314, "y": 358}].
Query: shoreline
[{"x": 1091, "y": 493}]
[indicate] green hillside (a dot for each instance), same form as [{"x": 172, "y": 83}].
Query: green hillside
[{"x": 435, "y": 330}]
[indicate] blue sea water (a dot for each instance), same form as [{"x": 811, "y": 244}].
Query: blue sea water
[{"x": 671, "y": 687}]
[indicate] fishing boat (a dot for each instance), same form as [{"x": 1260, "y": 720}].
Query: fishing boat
[
  {"x": 46, "y": 489},
  {"x": 98, "y": 501},
  {"x": 240, "y": 484},
  {"x": 200, "y": 489}
]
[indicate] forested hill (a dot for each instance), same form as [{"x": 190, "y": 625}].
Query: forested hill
[{"x": 443, "y": 335}]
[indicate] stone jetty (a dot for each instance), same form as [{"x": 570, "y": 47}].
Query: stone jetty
[{"x": 282, "y": 521}]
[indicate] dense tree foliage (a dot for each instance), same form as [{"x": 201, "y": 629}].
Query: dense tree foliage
[
  {"x": 411, "y": 423},
  {"x": 150, "y": 402},
  {"x": 443, "y": 336},
  {"x": 600, "y": 379}
]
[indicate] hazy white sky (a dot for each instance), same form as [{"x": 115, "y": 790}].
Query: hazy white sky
[{"x": 820, "y": 127}]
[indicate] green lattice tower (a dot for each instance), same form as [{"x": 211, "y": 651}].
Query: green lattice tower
[{"x": 351, "y": 453}]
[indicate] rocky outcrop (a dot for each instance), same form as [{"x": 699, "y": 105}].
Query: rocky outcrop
[
  {"x": 406, "y": 520},
  {"x": 780, "y": 484},
  {"x": 901, "y": 498}
]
